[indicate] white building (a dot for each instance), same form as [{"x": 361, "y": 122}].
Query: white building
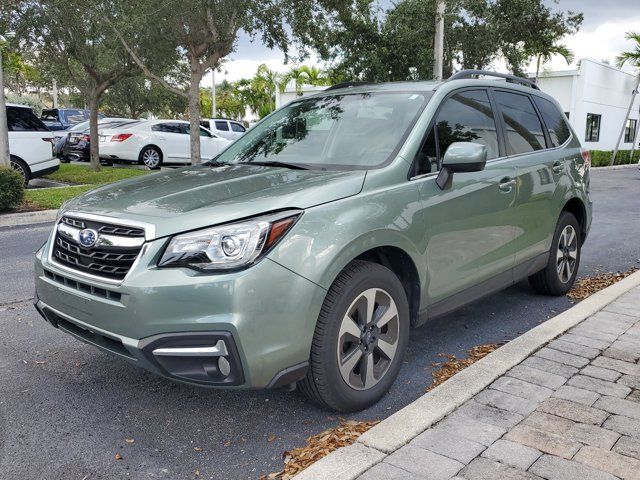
[
  {"x": 290, "y": 93},
  {"x": 596, "y": 97}
]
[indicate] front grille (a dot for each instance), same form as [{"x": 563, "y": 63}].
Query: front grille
[
  {"x": 112, "y": 262},
  {"x": 83, "y": 287}
]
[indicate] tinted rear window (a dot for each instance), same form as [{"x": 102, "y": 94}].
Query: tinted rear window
[
  {"x": 24, "y": 120},
  {"x": 236, "y": 127},
  {"x": 222, "y": 126},
  {"x": 524, "y": 129},
  {"x": 554, "y": 121}
]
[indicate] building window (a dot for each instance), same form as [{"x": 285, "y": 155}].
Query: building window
[
  {"x": 593, "y": 127},
  {"x": 630, "y": 131}
]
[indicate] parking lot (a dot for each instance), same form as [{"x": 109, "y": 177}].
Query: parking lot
[{"x": 67, "y": 409}]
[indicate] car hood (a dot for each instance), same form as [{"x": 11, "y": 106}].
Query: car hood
[{"x": 196, "y": 197}]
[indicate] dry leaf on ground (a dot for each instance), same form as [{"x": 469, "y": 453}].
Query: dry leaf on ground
[
  {"x": 319, "y": 446},
  {"x": 118, "y": 456},
  {"x": 453, "y": 365},
  {"x": 587, "y": 286}
]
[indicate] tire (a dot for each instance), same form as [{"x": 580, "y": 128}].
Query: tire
[
  {"x": 558, "y": 276},
  {"x": 151, "y": 157},
  {"x": 22, "y": 168},
  {"x": 339, "y": 340}
]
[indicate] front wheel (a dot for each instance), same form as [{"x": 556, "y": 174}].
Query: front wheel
[
  {"x": 564, "y": 259},
  {"x": 360, "y": 339}
]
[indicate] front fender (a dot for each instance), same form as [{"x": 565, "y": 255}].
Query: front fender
[{"x": 329, "y": 236}]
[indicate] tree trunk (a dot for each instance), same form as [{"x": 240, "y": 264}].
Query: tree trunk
[
  {"x": 624, "y": 122},
  {"x": 194, "y": 117},
  {"x": 93, "y": 130},
  {"x": 538, "y": 68}
]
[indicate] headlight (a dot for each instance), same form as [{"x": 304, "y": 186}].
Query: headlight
[{"x": 230, "y": 246}]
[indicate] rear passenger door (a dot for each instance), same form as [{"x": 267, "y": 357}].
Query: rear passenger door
[
  {"x": 539, "y": 167},
  {"x": 468, "y": 228}
]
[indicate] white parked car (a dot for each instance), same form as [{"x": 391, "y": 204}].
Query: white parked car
[
  {"x": 152, "y": 142},
  {"x": 30, "y": 143},
  {"x": 224, "y": 128}
]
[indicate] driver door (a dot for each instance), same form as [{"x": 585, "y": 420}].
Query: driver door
[{"x": 468, "y": 228}]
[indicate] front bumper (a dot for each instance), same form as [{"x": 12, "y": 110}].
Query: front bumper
[{"x": 266, "y": 316}]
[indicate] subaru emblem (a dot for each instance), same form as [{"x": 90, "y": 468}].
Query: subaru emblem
[{"x": 88, "y": 237}]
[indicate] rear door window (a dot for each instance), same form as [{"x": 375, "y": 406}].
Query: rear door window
[
  {"x": 236, "y": 127},
  {"x": 557, "y": 127},
  {"x": 222, "y": 125},
  {"x": 524, "y": 132},
  {"x": 23, "y": 120}
]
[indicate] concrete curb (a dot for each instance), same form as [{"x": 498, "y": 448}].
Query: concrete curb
[
  {"x": 615, "y": 167},
  {"x": 27, "y": 218},
  {"x": 404, "y": 425}
]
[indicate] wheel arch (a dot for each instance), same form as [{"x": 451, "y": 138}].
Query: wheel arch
[
  {"x": 147, "y": 145},
  {"x": 16, "y": 158},
  {"x": 577, "y": 208}
]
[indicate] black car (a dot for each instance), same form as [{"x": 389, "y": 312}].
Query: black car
[
  {"x": 63, "y": 118},
  {"x": 75, "y": 145}
]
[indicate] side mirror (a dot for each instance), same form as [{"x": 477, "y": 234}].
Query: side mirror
[{"x": 461, "y": 157}]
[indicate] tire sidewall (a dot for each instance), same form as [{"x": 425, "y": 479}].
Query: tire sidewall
[
  {"x": 22, "y": 168},
  {"x": 345, "y": 397},
  {"x": 159, "y": 157}
]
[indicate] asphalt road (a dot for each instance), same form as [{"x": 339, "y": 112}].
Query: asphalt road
[{"x": 67, "y": 408}]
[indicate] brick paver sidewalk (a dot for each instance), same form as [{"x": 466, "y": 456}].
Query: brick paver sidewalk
[{"x": 570, "y": 411}]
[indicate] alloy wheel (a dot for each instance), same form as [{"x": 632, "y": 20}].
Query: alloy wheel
[
  {"x": 20, "y": 169},
  {"x": 567, "y": 253},
  {"x": 151, "y": 158},
  {"x": 368, "y": 339}
]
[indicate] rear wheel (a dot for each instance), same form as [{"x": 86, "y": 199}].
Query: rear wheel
[
  {"x": 151, "y": 157},
  {"x": 564, "y": 259},
  {"x": 22, "y": 168},
  {"x": 360, "y": 339}
]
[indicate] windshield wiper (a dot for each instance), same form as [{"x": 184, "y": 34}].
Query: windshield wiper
[{"x": 292, "y": 166}]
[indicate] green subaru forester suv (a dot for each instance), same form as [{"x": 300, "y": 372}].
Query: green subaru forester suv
[{"x": 307, "y": 250}]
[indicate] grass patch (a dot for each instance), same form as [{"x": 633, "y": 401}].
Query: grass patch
[
  {"x": 82, "y": 174},
  {"x": 83, "y": 179},
  {"x": 47, "y": 198}
]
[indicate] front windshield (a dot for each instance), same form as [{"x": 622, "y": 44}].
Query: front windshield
[{"x": 342, "y": 132}]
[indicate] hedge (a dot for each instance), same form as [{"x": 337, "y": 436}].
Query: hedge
[
  {"x": 11, "y": 188},
  {"x": 602, "y": 158}
]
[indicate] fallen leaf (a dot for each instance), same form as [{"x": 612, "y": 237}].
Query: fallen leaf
[
  {"x": 587, "y": 286},
  {"x": 129, "y": 440},
  {"x": 118, "y": 456},
  {"x": 271, "y": 438},
  {"x": 40, "y": 362},
  {"x": 197, "y": 472},
  {"x": 318, "y": 446},
  {"x": 227, "y": 443},
  {"x": 197, "y": 449}
]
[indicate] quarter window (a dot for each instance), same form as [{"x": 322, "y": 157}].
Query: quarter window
[
  {"x": 236, "y": 127},
  {"x": 221, "y": 125},
  {"x": 556, "y": 125},
  {"x": 630, "y": 130},
  {"x": 593, "y": 127},
  {"x": 524, "y": 131}
]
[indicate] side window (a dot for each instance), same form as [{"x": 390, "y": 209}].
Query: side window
[
  {"x": 464, "y": 117},
  {"x": 236, "y": 127},
  {"x": 23, "y": 120},
  {"x": 556, "y": 124},
  {"x": 222, "y": 125},
  {"x": 523, "y": 127},
  {"x": 159, "y": 127},
  {"x": 205, "y": 123},
  {"x": 593, "y": 127},
  {"x": 204, "y": 133}
]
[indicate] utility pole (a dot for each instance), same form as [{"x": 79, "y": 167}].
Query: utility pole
[
  {"x": 55, "y": 93},
  {"x": 213, "y": 93},
  {"x": 624, "y": 122},
  {"x": 4, "y": 133},
  {"x": 438, "y": 42}
]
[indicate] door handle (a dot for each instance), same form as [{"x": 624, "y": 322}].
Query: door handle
[
  {"x": 506, "y": 184},
  {"x": 557, "y": 167}
]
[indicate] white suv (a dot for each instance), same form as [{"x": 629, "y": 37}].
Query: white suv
[
  {"x": 222, "y": 127},
  {"x": 30, "y": 143}
]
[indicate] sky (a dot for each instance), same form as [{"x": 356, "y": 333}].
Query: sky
[{"x": 600, "y": 37}]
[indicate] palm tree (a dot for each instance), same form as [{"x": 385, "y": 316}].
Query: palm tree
[
  {"x": 546, "y": 55},
  {"x": 633, "y": 58}
]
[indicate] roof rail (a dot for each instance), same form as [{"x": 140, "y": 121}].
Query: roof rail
[
  {"x": 510, "y": 78},
  {"x": 348, "y": 85}
]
